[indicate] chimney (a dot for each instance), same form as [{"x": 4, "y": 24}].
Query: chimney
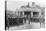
[{"x": 33, "y": 3}]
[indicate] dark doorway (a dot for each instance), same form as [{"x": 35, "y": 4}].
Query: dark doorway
[
  {"x": 27, "y": 13},
  {"x": 35, "y": 14}
]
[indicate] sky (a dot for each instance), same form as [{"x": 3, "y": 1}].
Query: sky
[{"x": 14, "y": 4}]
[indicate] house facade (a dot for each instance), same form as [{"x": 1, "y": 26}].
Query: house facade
[{"x": 28, "y": 13}]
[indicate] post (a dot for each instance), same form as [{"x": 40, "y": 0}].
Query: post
[
  {"x": 8, "y": 23},
  {"x": 23, "y": 13},
  {"x": 23, "y": 21},
  {"x": 31, "y": 14},
  {"x": 40, "y": 22}
]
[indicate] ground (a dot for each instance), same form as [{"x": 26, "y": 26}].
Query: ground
[{"x": 32, "y": 25}]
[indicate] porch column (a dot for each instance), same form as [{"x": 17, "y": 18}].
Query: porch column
[
  {"x": 31, "y": 14},
  {"x": 39, "y": 14},
  {"x": 23, "y": 21},
  {"x": 23, "y": 13},
  {"x": 18, "y": 13}
]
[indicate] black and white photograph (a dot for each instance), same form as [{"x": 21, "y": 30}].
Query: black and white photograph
[{"x": 22, "y": 15}]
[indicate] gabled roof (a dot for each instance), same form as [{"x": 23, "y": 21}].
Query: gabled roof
[
  {"x": 34, "y": 7},
  {"x": 27, "y": 6}
]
